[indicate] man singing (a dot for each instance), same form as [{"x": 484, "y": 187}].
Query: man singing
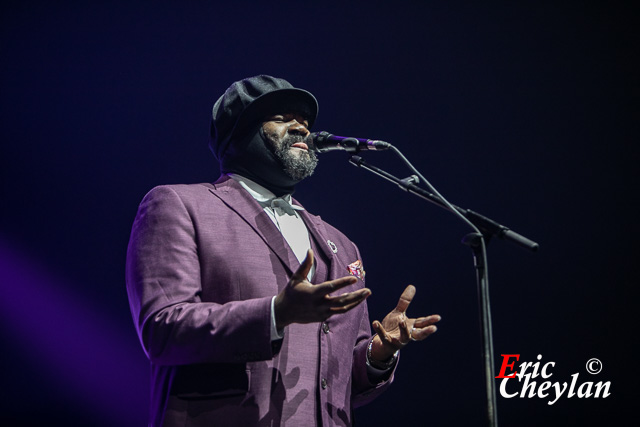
[{"x": 250, "y": 309}]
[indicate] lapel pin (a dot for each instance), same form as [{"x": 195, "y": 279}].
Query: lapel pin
[{"x": 332, "y": 246}]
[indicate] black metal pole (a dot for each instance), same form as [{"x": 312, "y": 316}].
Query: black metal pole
[{"x": 478, "y": 246}]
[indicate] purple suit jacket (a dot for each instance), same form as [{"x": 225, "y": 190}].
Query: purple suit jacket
[{"x": 203, "y": 263}]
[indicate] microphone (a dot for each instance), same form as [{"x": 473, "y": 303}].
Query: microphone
[{"x": 324, "y": 141}]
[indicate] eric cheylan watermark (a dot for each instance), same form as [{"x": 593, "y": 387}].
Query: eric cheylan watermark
[{"x": 533, "y": 380}]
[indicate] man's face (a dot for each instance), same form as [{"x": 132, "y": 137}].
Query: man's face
[{"x": 288, "y": 137}]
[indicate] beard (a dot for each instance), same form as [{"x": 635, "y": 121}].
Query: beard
[{"x": 296, "y": 165}]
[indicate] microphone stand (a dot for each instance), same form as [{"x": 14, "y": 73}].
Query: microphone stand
[{"x": 484, "y": 229}]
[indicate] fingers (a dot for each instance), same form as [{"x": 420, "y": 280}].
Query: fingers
[
  {"x": 392, "y": 339},
  {"x": 418, "y": 334},
  {"x": 405, "y": 298},
  {"x": 424, "y": 326},
  {"x": 405, "y": 332},
  {"x": 334, "y": 285},
  {"x": 349, "y": 297},
  {"x": 345, "y": 302},
  {"x": 426, "y": 321},
  {"x": 382, "y": 333},
  {"x": 303, "y": 271},
  {"x": 401, "y": 334}
]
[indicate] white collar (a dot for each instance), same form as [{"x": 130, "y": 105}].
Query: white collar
[{"x": 258, "y": 192}]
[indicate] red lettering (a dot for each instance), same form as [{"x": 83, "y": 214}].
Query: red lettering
[{"x": 505, "y": 365}]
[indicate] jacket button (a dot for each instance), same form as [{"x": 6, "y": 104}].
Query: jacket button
[
  {"x": 325, "y": 328},
  {"x": 323, "y": 383}
]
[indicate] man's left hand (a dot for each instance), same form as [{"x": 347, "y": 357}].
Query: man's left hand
[{"x": 397, "y": 330}]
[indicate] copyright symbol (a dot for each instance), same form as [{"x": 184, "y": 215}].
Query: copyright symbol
[{"x": 594, "y": 366}]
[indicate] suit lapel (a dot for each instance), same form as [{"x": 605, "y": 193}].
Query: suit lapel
[{"x": 241, "y": 202}]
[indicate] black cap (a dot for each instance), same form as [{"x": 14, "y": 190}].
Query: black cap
[{"x": 250, "y": 100}]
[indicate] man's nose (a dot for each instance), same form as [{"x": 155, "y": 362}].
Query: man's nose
[{"x": 298, "y": 128}]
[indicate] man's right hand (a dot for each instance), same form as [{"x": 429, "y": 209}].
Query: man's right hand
[{"x": 302, "y": 302}]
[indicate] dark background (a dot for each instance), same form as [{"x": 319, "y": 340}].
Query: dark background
[{"x": 525, "y": 112}]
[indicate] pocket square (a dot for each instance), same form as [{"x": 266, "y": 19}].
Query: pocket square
[{"x": 356, "y": 269}]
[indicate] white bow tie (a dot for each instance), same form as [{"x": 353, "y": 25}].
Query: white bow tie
[{"x": 280, "y": 206}]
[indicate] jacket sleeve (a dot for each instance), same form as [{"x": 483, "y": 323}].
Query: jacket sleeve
[{"x": 163, "y": 283}]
